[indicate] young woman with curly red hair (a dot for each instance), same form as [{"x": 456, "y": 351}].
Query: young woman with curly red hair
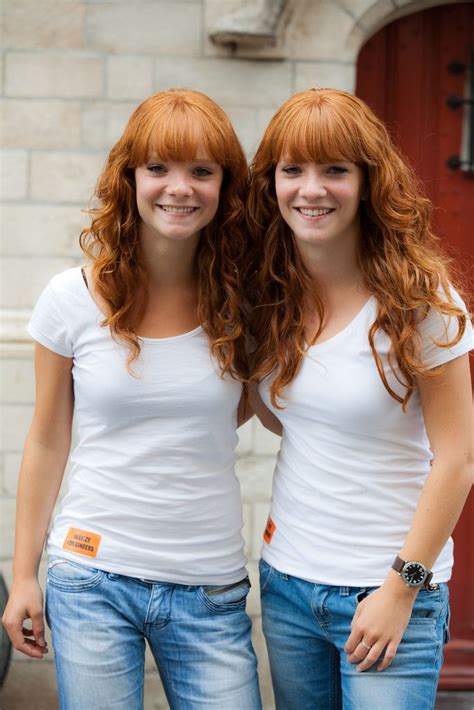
[
  {"x": 361, "y": 359},
  {"x": 145, "y": 345}
]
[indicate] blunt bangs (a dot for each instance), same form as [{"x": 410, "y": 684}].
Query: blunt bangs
[
  {"x": 177, "y": 130},
  {"x": 312, "y": 130}
]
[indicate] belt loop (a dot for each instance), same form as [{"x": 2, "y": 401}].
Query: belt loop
[{"x": 343, "y": 591}]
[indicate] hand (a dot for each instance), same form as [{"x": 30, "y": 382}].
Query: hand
[
  {"x": 26, "y": 602},
  {"x": 379, "y": 624}
]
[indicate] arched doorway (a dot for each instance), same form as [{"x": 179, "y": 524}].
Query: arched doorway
[{"x": 405, "y": 73}]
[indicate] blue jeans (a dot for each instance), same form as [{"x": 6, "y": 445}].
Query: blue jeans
[
  {"x": 199, "y": 637},
  {"x": 306, "y": 626}
]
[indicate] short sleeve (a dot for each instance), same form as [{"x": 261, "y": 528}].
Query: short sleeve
[
  {"x": 46, "y": 325},
  {"x": 441, "y": 328}
]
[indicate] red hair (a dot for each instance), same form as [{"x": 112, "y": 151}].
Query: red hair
[
  {"x": 399, "y": 256},
  {"x": 172, "y": 124}
]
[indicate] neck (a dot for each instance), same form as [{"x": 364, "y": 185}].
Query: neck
[
  {"x": 169, "y": 263},
  {"x": 334, "y": 267}
]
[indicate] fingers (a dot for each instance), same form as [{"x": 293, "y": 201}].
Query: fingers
[
  {"x": 389, "y": 655},
  {"x": 353, "y": 641},
  {"x": 34, "y": 647},
  {"x": 38, "y": 628}
]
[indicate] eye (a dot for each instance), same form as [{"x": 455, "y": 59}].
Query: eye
[
  {"x": 291, "y": 169},
  {"x": 202, "y": 172},
  {"x": 156, "y": 168},
  {"x": 336, "y": 170}
]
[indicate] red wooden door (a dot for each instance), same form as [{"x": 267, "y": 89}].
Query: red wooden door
[{"x": 402, "y": 73}]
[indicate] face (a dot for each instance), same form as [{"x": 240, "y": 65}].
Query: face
[
  {"x": 176, "y": 200},
  {"x": 320, "y": 203}
]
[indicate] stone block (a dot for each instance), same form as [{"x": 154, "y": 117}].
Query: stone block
[
  {"x": 334, "y": 75},
  {"x": 41, "y": 124},
  {"x": 376, "y": 16},
  {"x": 14, "y": 174},
  {"x": 17, "y": 381},
  {"x": 16, "y": 420},
  {"x": 11, "y": 468},
  {"x": 44, "y": 24},
  {"x": 157, "y": 28},
  {"x": 247, "y": 530},
  {"x": 265, "y": 441},
  {"x": 357, "y": 8},
  {"x": 255, "y": 474},
  {"x": 129, "y": 77},
  {"x": 260, "y": 517},
  {"x": 229, "y": 82},
  {"x": 65, "y": 177},
  {"x": 103, "y": 123},
  {"x": 314, "y": 28},
  {"x": 41, "y": 230},
  {"x": 7, "y": 527},
  {"x": 244, "y": 121},
  {"x": 245, "y": 432},
  {"x": 53, "y": 74},
  {"x": 33, "y": 273}
]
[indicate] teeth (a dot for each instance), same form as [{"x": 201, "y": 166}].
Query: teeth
[
  {"x": 314, "y": 213},
  {"x": 179, "y": 210}
]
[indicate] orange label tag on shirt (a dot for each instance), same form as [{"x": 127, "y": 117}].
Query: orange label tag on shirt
[
  {"x": 269, "y": 530},
  {"x": 83, "y": 542}
]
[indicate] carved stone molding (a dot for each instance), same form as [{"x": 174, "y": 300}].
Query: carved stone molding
[{"x": 254, "y": 25}]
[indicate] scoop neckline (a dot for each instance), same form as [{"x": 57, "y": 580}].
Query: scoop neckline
[
  {"x": 325, "y": 344},
  {"x": 172, "y": 338}
]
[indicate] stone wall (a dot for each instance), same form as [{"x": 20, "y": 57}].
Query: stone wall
[{"x": 71, "y": 73}]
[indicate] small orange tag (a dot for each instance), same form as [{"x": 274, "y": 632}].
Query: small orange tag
[
  {"x": 269, "y": 530},
  {"x": 83, "y": 542}
]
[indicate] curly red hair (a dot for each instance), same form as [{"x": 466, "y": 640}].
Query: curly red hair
[
  {"x": 399, "y": 255},
  {"x": 172, "y": 124}
]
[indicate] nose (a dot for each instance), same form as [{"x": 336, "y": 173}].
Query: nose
[
  {"x": 312, "y": 186},
  {"x": 178, "y": 185}
]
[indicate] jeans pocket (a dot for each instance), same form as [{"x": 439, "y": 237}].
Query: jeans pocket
[
  {"x": 266, "y": 573},
  {"x": 363, "y": 593},
  {"x": 72, "y": 576},
  {"x": 428, "y": 607},
  {"x": 225, "y": 598}
]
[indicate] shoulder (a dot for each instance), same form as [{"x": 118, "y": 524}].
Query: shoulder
[{"x": 67, "y": 281}]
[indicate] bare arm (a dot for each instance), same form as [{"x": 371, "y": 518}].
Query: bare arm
[
  {"x": 382, "y": 617},
  {"x": 42, "y": 469},
  {"x": 268, "y": 419}
]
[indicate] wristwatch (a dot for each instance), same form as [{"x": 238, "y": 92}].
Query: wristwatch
[{"x": 413, "y": 573}]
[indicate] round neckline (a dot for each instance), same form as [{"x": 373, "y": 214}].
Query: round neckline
[
  {"x": 347, "y": 329},
  {"x": 172, "y": 338}
]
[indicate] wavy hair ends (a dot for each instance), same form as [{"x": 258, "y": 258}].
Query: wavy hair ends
[
  {"x": 172, "y": 125},
  {"x": 399, "y": 257}
]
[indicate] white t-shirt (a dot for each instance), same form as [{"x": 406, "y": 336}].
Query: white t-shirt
[
  {"x": 351, "y": 464},
  {"x": 152, "y": 488}
]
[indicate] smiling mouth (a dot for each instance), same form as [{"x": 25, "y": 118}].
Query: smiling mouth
[
  {"x": 308, "y": 212},
  {"x": 171, "y": 209}
]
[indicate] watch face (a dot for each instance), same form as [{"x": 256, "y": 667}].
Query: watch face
[{"x": 414, "y": 573}]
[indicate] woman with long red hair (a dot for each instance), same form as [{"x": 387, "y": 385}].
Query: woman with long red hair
[
  {"x": 361, "y": 348},
  {"x": 145, "y": 346}
]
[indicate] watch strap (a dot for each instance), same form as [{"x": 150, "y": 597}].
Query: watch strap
[{"x": 398, "y": 565}]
